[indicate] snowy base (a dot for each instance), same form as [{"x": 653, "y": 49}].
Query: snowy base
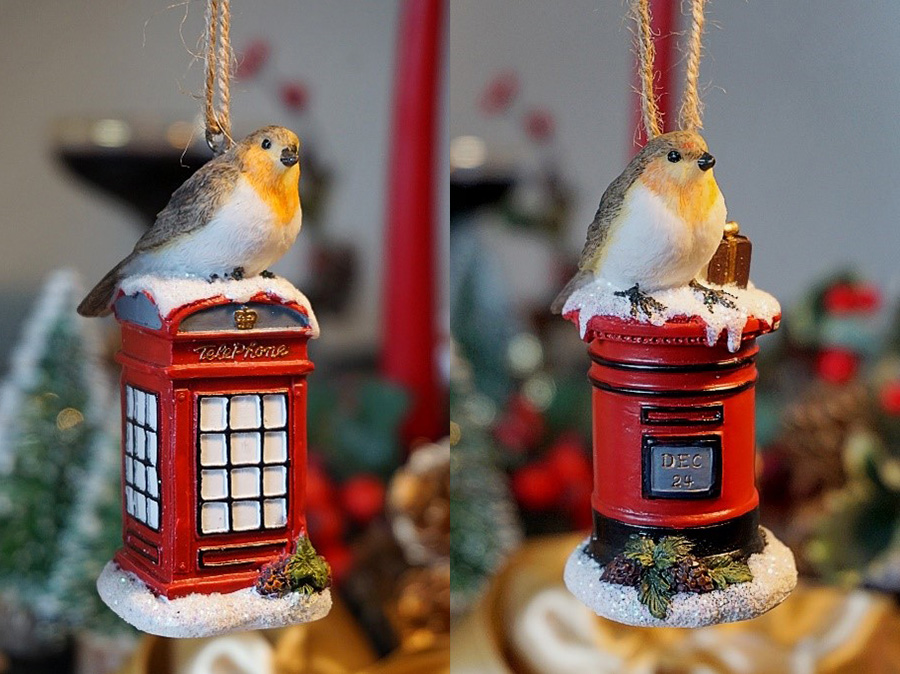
[
  {"x": 774, "y": 576},
  {"x": 203, "y": 615}
]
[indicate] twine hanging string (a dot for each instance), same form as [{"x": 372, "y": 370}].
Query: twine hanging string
[
  {"x": 690, "y": 117},
  {"x": 646, "y": 50},
  {"x": 218, "y": 76}
]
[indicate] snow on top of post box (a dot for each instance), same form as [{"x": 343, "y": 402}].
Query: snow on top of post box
[
  {"x": 171, "y": 294},
  {"x": 682, "y": 304}
]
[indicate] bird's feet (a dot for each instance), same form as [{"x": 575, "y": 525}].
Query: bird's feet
[
  {"x": 237, "y": 274},
  {"x": 265, "y": 273},
  {"x": 641, "y": 301},
  {"x": 712, "y": 296},
  {"x": 213, "y": 278}
]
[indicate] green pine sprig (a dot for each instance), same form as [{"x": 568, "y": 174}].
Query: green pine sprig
[{"x": 656, "y": 559}]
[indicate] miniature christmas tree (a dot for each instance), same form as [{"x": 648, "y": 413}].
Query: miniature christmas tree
[
  {"x": 50, "y": 407},
  {"x": 484, "y": 527},
  {"x": 91, "y": 537}
]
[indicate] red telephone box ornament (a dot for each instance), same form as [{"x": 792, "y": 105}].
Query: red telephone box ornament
[
  {"x": 676, "y": 538},
  {"x": 214, "y": 381}
]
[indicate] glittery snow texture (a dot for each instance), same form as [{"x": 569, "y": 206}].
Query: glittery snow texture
[
  {"x": 203, "y": 615},
  {"x": 170, "y": 294},
  {"x": 774, "y": 576},
  {"x": 599, "y": 299}
]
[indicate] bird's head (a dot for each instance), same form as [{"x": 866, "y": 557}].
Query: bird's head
[
  {"x": 678, "y": 159},
  {"x": 272, "y": 152}
]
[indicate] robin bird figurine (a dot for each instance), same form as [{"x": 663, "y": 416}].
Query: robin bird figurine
[
  {"x": 234, "y": 217},
  {"x": 658, "y": 225}
]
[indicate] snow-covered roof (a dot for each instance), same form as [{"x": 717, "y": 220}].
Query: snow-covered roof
[
  {"x": 171, "y": 294},
  {"x": 598, "y": 298}
]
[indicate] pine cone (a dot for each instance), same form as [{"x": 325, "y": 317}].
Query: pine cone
[
  {"x": 814, "y": 431},
  {"x": 622, "y": 571},
  {"x": 272, "y": 580},
  {"x": 691, "y": 575}
]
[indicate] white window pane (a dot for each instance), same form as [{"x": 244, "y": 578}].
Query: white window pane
[
  {"x": 244, "y": 412},
  {"x": 245, "y": 448},
  {"x": 275, "y": 512},
  {"x": 129, "y": 470},
  {"x": 151, "y": 410},
  {"x": 245, "y": 515},
  {"x": 213, "y": 517},
  {"x": 152, "y": 513},
  {"x": 275, "y": 410},
  {"x": 129, "y": 500},
  {"x": 140, "y": 442},
  {"x": 244, "y": 482},
  {"x": 140, "y": 476},
  {"x": 213, "y": 449},
  {"x": 152, "y": 482},
  {"x": 212, "y": 413},
  {"x": 275, "y": 450},
  {"x": 275, "y": 481},
  {"x": 129, "y": 402},
  {"x": 152, "y": 449},
  {"x": 129, "y": 438},
  {"x": 140, "y": 507},
  {"x": 140, "y": 406},
  {"x": 213, "y": 484}
]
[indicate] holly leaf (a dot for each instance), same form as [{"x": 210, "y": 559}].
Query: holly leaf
[
  {"x": 669, "y": 550},
  {"x": 655, "y": 593},
  {"x": 640, "y": 549},
  {"x": 725, "y": 572}
]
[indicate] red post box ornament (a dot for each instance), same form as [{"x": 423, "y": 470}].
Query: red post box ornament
[
  {"x": 662, "y": 297},
  {"x": 676, "y": 538},
  {"x": 213, "y": 391}
]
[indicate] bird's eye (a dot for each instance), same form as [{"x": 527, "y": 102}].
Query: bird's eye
[
  {"x": 266, "y": 144},
  {"x": 674, "y": 156}
]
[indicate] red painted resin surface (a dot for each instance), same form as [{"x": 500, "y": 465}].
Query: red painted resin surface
[
  {"x": 692, "y": 374},
  {"x": 178, "y": 560}
]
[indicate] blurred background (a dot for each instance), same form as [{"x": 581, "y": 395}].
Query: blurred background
[
  {"x": 99, "y": 104},
  {"x": 799, "y": 102}
]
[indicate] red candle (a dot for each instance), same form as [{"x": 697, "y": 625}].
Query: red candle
[
  {"x": 664, "y": 19},
  {"x": 410, "y": 294}
]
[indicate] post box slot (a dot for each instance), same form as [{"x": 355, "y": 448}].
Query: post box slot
[{"x": 695, "y": 415}]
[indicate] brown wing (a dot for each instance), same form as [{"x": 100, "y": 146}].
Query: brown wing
[
  {"x": 193, "y": 204},
  {"x": 610, "y": 206}
]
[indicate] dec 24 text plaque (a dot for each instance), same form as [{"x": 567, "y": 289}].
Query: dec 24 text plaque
[{"x": 683, "y": 467}]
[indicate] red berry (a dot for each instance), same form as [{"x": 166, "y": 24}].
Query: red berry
[
  {"x": 339, "y": 558},
  {"x": 499, "y": 93},
  {"x": 521, "y": 426},
  {"x": 837, "y": 365},
  {"x": 569, "y": 462},
  {"x": 889, "y": 397},
  {"x": 326, "y": 524},
  {"x": 294, "y": 96},
  {"x": 868, "y": 297},
  {"x": 319, "y": 488},
  {"x": 840, "y": 298},
  {"x": 535, "y": 487},
  {"x": 540, "y": 125},
  {"x": 362, "y": 497},
  {"x": 252, "y": 59}
]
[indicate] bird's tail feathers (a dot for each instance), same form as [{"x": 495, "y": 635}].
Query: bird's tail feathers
[
  {"x": 583, "y": 277},
  {"x": 98, "y": 300}
]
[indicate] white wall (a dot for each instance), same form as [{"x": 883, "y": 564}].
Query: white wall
[
  {"x": 806, "y": 136},
  {"x": 97, "y": 58}
]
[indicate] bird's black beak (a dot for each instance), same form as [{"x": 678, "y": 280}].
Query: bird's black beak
[
  {"x": 290, "y": 155},
  {"x": 706, "y": 161}
]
